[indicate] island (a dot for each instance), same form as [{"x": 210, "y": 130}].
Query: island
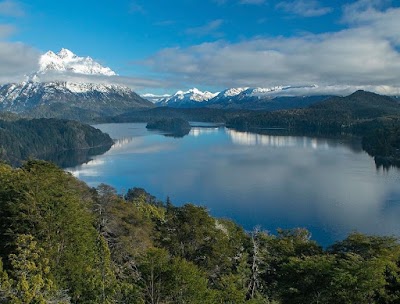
[{"x": 176, "y": 127}]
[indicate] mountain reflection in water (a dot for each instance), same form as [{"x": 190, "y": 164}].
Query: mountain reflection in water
[{"x": 329, "y": 186}]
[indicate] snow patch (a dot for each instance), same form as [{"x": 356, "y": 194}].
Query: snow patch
[{"x": 67, "y": 61}]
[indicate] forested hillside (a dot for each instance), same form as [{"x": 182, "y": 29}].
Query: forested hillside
[
  {"x": 37, "y": 138},
  {"x": 199, "y": 114},
  {"x": 374, "y": 117},
  {"x": 63, "y": 242}
]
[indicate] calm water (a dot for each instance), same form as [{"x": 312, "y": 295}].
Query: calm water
[{"x": 327, "y": 186}]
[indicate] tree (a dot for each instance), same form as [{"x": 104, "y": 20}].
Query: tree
[
  {"x": 56, "y": 209},
  {"x": 30, "y": 275},
  {"x": 153, "y": 269},
  {"x": 191, "y": 233},
  {"x": 307, "y": 279},
  {"x": 166, "y": 279},
  {"x": 258, "y": 264},
  {"x": 5, "y": 285}
]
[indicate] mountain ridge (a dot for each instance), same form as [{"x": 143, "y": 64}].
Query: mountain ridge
[
  {"x": 240, "y": 98},
  {"x": 46, "y": 92}
]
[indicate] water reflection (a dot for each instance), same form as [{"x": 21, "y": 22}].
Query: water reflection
[
  {"x": 280, "y": 141},
  {"x": 272, "y": 181},
  {"x": 197, "y": 131},
  {"x": 252, "y": 139},
  {"x": 69, "y": 158},
  {"x": 119, "y": 144}
]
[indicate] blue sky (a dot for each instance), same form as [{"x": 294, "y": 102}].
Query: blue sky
[{"x": 161, "y": 46}]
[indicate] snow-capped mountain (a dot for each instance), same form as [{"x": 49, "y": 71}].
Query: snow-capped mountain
[
  {"x": 50, "y": 93},
  {"x": 182, "y": 98},
  {"x": 241, "y": 98},
  {"x": 246, "y": 93},
  {"x": 66, "y": 61},
  {"x": 155, "y": 98}
]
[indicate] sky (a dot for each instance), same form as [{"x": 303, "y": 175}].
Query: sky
[{"x": 163, "y": 46}]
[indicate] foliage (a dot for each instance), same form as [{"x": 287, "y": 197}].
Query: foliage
[
  {"x": 41, "y": 200},
  {"x": 23, "y": 139},
  {"x": 175, "y": 125},
  {"x": 63, "y": 242}
]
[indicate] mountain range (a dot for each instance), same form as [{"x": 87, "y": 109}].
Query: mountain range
[
  {"x": 69, "y": 86},
  {"x": 274, "y": 98},
  {"x": 66, "y": 85}
]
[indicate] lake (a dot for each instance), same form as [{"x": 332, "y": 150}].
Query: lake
[{"x": 330, "y": 187}]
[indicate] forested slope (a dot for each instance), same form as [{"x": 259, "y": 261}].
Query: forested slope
[
  {"x": 374, "y": 117},
  {"x": 63, "y": 242},
  {"x": 22, "y": 139}
]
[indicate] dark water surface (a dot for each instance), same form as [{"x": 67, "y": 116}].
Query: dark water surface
[{"x": 328, "y": 186}]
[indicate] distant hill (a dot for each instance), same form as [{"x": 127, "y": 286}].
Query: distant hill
[
  {"x": 191, "y": 114},
  {"x": 41, "y": 138},
  {"x": 267, "y": 103},
  {"x": 374, "y": 117},
  {"x": 336, "y": 114},
  {"x": 361, "y": 105}
]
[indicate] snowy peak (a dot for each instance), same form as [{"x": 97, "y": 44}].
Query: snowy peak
[
  {"x": 232, "y": 92},
  {"x": 70, "y": 86},
  {"x": 155, "y": 98},
  {"x": 195, "y": 95},
  {"x": 232, "y": 96},
  {"x": 67, "y": 61},
  {"x": 65, "y": 53},
  {"x": 192, "y": 95},
  {"x": 263, "y": 91}
]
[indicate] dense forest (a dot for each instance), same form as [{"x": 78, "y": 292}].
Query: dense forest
[
  {"x": 197, "y": 114},
  {"x": 374, "y": 117},
  {"x": 39, "y": 138},
  {"x": 174, "y": 126},
  {"x": 63, "y": 242}
]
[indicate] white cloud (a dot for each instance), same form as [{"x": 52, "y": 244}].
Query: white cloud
[
  {"x": 135, "y": 83},
  {"x": 353, "y": 11},
  {"x": 304, "y": 8},
  {"x": 11, "y": 8},
  {"x": 6, "y": 30},
  {"x": 17, "y": 60},
  {"x": 208, "y": 29},
  {"x": 364, "y": 55}
]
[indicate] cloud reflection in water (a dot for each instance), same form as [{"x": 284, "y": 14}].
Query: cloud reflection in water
[{"x": 273, "y": 181}]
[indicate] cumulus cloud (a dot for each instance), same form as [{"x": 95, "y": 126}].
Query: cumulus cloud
[
  {"x": 11, "y": 8},
  {"x": 135, "y": 83},
  {"x": 6, "y": 30},
  {"x": 16, "y": 61},
  {"x": 353, "y": 11},
  {"x": 20, "y": 62},
  {"x": 309, "y": 8},
  {"x": 364, "y": 55}
]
